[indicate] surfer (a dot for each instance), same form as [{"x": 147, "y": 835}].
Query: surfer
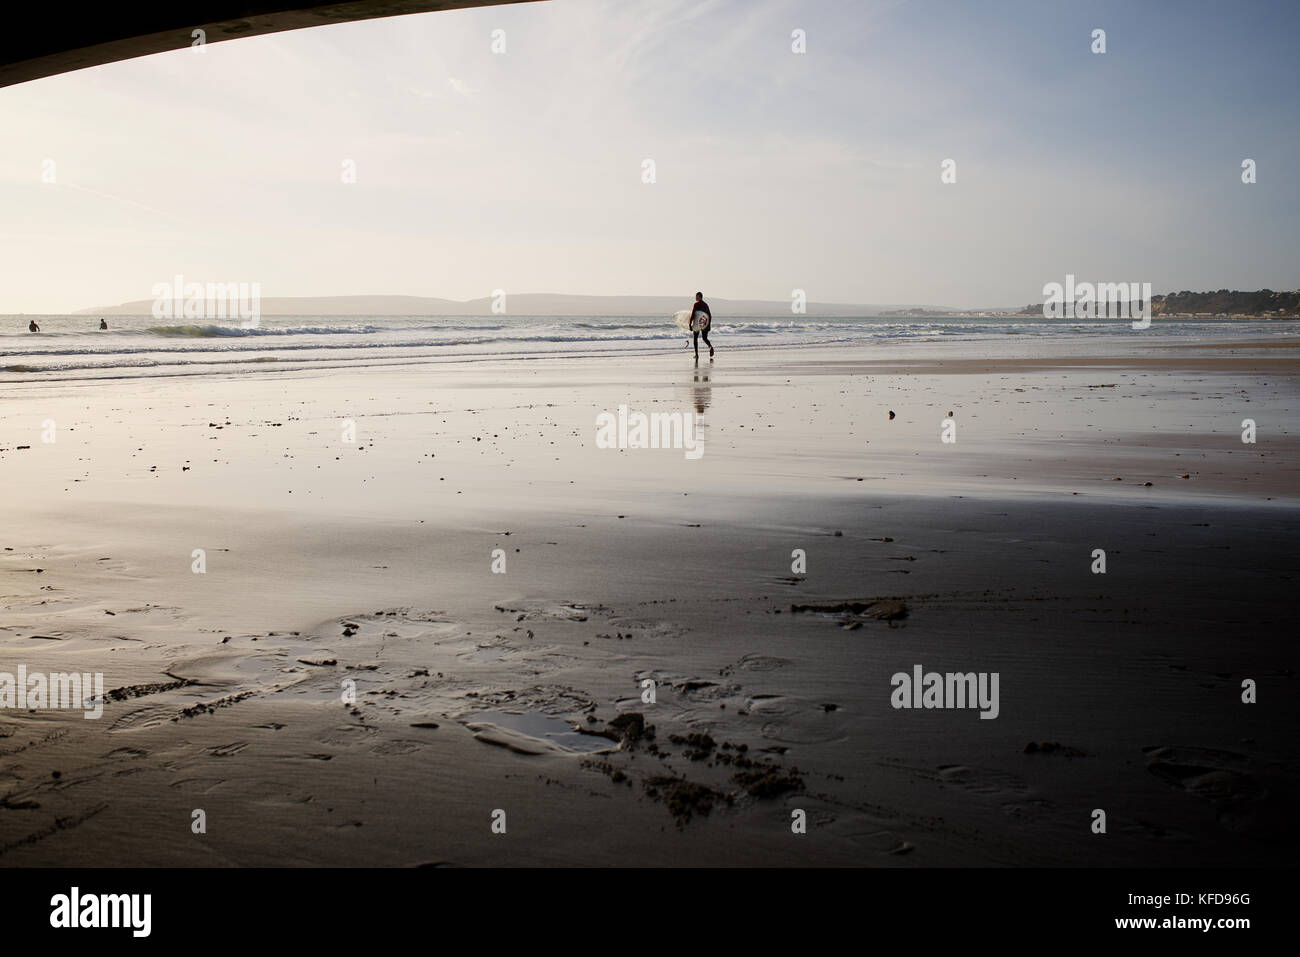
[
  {"x": 701, "y": 319},
  {"x": 103, "y": 323},
  {"x": 33, "y": 327}
]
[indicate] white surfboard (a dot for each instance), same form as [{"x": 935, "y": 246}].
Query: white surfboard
[{"x": 683, "y": 319}]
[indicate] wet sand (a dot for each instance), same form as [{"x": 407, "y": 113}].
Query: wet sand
[{"x": 371, "y": 562}]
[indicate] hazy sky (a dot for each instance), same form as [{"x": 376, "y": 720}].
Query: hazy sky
[{"x": 523, "y": 170}]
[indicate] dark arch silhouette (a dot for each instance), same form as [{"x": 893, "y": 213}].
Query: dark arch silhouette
[{"x": 51, "y": 40}]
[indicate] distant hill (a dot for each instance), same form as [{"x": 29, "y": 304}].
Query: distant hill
[
  {"x": 1263, "y": 302},
  {"x": 521, "y": 304}
]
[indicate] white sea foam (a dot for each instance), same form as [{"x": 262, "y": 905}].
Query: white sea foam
[{"x": 140, "y": 345}]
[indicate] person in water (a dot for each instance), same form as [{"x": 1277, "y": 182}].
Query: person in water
[
  {"x": 33, "y": 327},
  {"x": 103, "y": 323},
  {"x": 702, "y": 318}
]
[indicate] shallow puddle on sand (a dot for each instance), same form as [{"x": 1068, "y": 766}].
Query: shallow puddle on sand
[{"x": 553, "y": 731}]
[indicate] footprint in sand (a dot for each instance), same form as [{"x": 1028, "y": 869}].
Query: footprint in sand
[
  {"x": 1224, "y": 778},
  {"x": 150, "y": 716},
  {"x": 975, "y": 780},
  {"x": 981, "y": 780},
  {"x": 226, "y": 750},
  {"x": 771, "y": 704},
  {"x": 285, "y": 797},
  {"x": 545, "y": 661},
  {"x": 397, "y": 746},
  {"x": 497, "y": 649},
  {"x": 394, "y": 623},
  {"x": 198, "y": 784},
  {"x": 128, "y": 753},
  {"x": 1029, "y": 810},
  {"x": 792, "y": 720},
  {"x": 346, "y": 735},
  {"x": 548, "y": 699},
  {"x": 756, "y": 663},
  {"x": 700, "y": 690},
  {"x": 646, "y": 627},
  {"x": 549, "y": 611},
  {"x": 881, "y": 841}
]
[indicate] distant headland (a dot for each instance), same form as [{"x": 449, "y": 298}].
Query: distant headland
[{"x": 1223, "y": 304}]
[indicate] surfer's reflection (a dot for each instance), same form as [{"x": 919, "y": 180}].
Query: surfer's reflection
[{"x": 701, "y": 392}]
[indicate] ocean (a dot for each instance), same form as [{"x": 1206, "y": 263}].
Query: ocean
[{"x": 72, "y": 347}]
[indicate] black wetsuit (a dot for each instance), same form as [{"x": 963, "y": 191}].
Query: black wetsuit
[{"x": 697, "y": 307}]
